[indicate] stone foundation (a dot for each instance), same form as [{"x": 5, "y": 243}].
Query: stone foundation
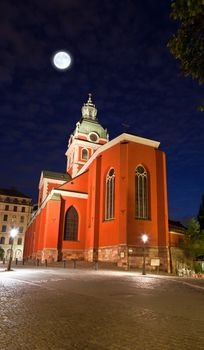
[
  {"x": 108, "y": 254},
  {"x": 50, "y": 255},
  {"x": 136, "y": 254},
  {"x": 88, "y": 255},
  {"x": 124, "y": 256},
  {"x": 72, "y": 254}
]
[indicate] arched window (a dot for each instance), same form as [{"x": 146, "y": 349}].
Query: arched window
[
  {"x": 84, "y": 154},
  {"x": 141, "y": 192},
  {"x": 2, "y": 240},
  {"x": 71, "y": 225},
  {"x": 110, "y": 195}
]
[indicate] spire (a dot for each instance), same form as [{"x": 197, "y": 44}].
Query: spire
[
  {"x": 89, "y": 102},
  {"x": 89, "y": 110}
]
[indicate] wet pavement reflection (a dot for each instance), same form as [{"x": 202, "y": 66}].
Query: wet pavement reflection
[{"x": 81, "y": 309}]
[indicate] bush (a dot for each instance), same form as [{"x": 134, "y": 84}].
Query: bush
[{"x": 197, "y": 267}]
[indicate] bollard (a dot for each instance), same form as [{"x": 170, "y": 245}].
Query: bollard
[
  {"x": 74, "y": 264},
  {"x": 45, "y": 262},
  {"x": 64, "y": 263},
  {"x": 4, "y": 261},
  {"x": 96, "y": 265},
  {"x": 37, "y": 262},
  {"x": 16, "y": 261},
  {"x": 23, "y": 261}
]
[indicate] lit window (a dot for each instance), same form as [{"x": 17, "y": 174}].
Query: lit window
[
  {"x": 84, "y": 154},
  {"x": 3, "y": 229},
  {"x": 71, "y": 225},
  {"x": 141, "y": 192},
  {"x": 19, "y": 242},
  {"x": 2, "y": 240},
  {"x": 110, "y": 195}
]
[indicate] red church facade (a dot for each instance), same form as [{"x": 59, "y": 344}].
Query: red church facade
[{"x": 112, "y": 193}]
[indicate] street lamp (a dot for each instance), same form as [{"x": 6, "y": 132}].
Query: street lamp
[
  {"x": 13, "y": 233},
  {"x": 144, "y": 239}
]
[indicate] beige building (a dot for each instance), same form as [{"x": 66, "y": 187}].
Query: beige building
[{"x": 15, "y": 212}]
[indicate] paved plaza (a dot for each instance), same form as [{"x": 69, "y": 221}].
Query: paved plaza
[{"x": 61, "y": 309}]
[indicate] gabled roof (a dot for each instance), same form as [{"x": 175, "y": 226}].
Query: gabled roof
[
  {"x": 119, "y": 139},
  {"x": 12, "y": 192},
  {"x": 176, "y": 226},
  {"x": 55, "y": 175}
]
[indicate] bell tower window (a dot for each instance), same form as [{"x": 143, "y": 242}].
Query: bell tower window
[{"x": 84, "y": 154}]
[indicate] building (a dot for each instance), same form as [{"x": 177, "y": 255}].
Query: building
[
  {"x": 176, "y": 233},
  {"x": 112, "y": 193},
  {"x": 15, "y": 211},
  {"x": 176, "y": 242}
]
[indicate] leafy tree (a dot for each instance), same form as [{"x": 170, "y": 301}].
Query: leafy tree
[
  {"x": 194, "y": 242},
  {"x": 187, "y": 45},
  {"x": 193, "y": 230},
  {"x": 201, "y": 215}
]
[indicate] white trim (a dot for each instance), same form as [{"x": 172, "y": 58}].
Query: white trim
[
  {"x": 177, "y": 233},
  {"x": 118, "y": 139},
  {"x": 52, "y": 181},
  {"x": 66, "y": 193},
  {"x": 87, "y": 136},
  {"x": 63, "y": 193},
  {"x": 83, "y": 143}
]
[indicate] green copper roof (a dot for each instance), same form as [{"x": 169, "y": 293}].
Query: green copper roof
[
  {"x": 89, "y": 122},
  {"x": 86, "y": 126}
]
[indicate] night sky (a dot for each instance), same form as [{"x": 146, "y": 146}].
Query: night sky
[{"x": 119, "y": 55}]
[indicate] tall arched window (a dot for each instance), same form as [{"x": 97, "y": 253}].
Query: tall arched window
[
  {"x": 110, "y": 195},
  {"x": 141, "y": 192},
  {"x": 84, "y": 154},
  {"x": 71, "y": 225}
]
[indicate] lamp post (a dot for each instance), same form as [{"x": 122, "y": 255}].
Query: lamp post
[
  {"x": 144, "y": 239},
  {"x": 13, "y": 233}
]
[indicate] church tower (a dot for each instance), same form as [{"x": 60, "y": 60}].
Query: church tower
[{"x": 87, "y": 137}]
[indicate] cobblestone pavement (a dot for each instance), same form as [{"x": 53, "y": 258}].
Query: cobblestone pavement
[{"x": 61, "y": 309}]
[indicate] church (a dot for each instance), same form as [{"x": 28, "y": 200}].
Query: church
[{"x": 113, "y": 191}]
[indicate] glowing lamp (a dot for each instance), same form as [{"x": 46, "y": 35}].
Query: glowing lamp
[
  {"x": 13, "y": 232},
  {"x": 144, "y": 238}
]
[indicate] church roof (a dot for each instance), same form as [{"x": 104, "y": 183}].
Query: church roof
[
  {"x": 176, "y": 226},
  {"x": 119, "y": 139},
  {"x": 13, "y": 192},
  {"x": 55, "y": 175},
  {"x": 89, "y": 122},
  {"x": 86, "y": 126}
]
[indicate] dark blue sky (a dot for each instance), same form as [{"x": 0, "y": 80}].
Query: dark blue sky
[{"x": 120, "y": 55}]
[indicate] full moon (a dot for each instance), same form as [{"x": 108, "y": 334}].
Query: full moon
[{"x": 62, "y": 60}]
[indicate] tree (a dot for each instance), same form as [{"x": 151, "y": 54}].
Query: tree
[
  {"x": 187, "y": 45},
  {"x": 201, "y": 215},
  {"x": 193, "y": 230},
  {"x": 193, "y": 244}
]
